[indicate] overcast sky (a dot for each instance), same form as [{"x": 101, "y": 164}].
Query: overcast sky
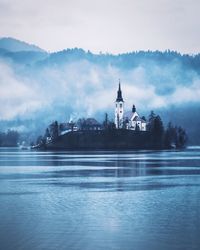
[{"x": 113, "y": 26}]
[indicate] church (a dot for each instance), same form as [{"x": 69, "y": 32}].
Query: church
[{"x": 129, "y": 120}]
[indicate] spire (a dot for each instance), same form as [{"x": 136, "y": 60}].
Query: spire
[
  {"x": 119, "y": 94},
  {"x": 119, "y": 85},
  {"x": 134, "y": 109}
]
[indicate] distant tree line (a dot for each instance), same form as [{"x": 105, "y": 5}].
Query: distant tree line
[
  {"x": 9, "y": 138},
  {"x": 128, "y": 60}
]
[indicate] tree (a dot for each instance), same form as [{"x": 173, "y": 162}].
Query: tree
[
  {"x": 117, "y": 121},
  {"x": 175, "y": 137},
  {"x": 47, "y": 133},
  {"x": 152, "y": 116},
  {"x": 167, "y": 139},
  {"x": 105, "y": 122},
  {"x": 144, "y": 118},
  {"x": 39, "y": 140},
  {"x": 12, "y": 138},
  {"x": 2, "y": 138},
  {"x": 72, "y": 124},
  {"x": 181, "y": 138},
  {"x": 81, "y": 123},
  {"x": 156, "y": 130},
  {"x": 111, "y": 125},
  {"x": 54, "y": 131},
  {"x": 151, "y": 119},
  {"x": 170, "y": 137}
]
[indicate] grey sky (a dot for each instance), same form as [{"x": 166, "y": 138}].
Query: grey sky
[{"x": 104, "y": 25}]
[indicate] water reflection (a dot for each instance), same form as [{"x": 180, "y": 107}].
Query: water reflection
[{"x": 100, "y": 200}]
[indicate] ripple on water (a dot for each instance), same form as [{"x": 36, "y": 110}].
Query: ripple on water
[{"x": 100, "y": 200}]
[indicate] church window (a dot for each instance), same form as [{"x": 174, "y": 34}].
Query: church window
[{"x": 120, "y": 105}]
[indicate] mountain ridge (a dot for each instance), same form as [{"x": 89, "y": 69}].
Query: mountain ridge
[
  {"x": 15, "y": 45},
  {"x": 74, "y": 82}
]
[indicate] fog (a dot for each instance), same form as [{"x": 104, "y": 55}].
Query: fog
[{"x": 86, "y": 89}]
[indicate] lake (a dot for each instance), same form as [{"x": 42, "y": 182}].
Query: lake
[{"x": 129, "y": 200}]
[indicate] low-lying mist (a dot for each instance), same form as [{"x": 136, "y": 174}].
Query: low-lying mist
[{"x": 81, "y": 87}]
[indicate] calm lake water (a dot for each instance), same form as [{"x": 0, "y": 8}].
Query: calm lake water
[{"x": 132, "y": 200}]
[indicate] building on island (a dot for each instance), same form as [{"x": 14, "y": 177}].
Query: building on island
[
  {"x": 88, "y": 124},
  {"x": 129, "y": 120},
  {"x": 123, "y": 120},
  {"x": 134, "y": 121},
  {"x": 119, "y": 109}
]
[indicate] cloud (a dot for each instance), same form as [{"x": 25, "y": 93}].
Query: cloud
[
  {"x": 190, "y": 94},
  {"x": 86, "y": 89},
  {"x": 16, "y": 96}
]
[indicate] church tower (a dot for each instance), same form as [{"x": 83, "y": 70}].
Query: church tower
[{"x": 119, "y": 109}]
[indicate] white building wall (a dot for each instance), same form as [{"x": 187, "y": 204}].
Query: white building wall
[
  {"x": 144, "y": 127},
  {"x": 119, "y": 114},
  {"x": 132, "y": 125}
]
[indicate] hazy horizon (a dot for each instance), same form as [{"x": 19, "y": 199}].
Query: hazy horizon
[
  {"x": 100, "y": 52},
  {"x": 99, "y": 26}
]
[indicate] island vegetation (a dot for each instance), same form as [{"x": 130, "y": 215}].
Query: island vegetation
[{"x": 90, "y": 134}]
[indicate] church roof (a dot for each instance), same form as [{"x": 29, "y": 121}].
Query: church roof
[
  {"x": 119, "y": 94},
  {"x": 138, "y": 119},
  {"x": 128, "y": 115}
]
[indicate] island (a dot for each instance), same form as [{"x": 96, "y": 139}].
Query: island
[{"x": 127, "y": 131}]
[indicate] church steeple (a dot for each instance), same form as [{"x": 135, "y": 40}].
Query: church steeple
[
  {"x": 119, "y": 94},
  {"x": 119, "y": 109},
  {"x": 133, "y": 109}
]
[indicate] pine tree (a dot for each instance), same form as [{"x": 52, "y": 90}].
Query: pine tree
[
  {"x": 181, "y": 138},
  {"x": 54, "y": 131},
  {"x": 47, "y": 133},
  {"x": 156, "y": 129},
  {"x": 144, "y": 118},
  {"x": 105, "y": 122}
]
